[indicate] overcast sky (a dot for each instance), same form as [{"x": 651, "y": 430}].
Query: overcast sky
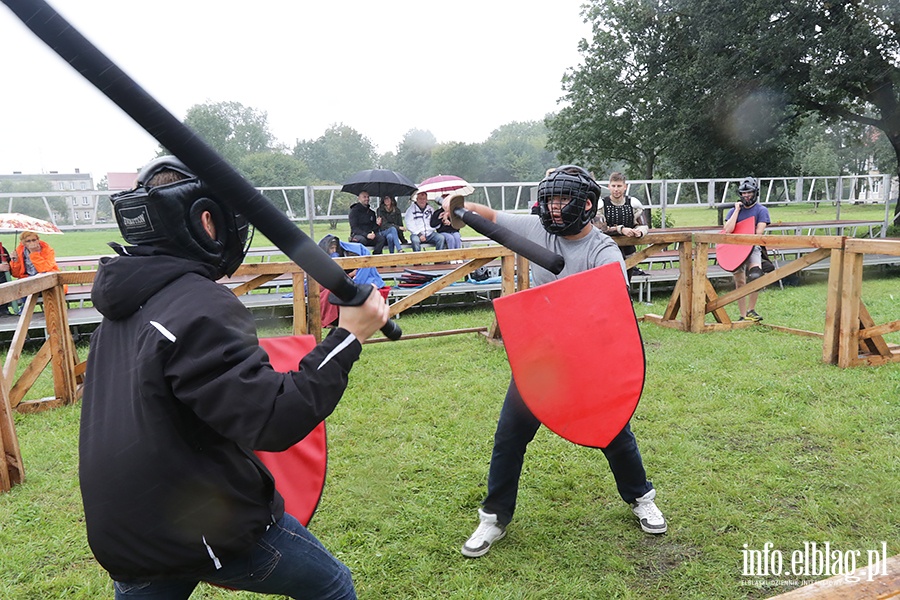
[{"x": 458, "y": 69}]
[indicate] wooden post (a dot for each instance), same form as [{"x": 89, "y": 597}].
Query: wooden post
[
  {"x": 62, "y": 348},
  {"x": 12, "y": 471},
  {"x": 698, "y": 287},
  {"x": 300, "y": 320},
  {"x": 851, "y": 293},
  {"x": 686, "y": 277},
  {"x": 314, "y": 316},
  {"x": 831, "y": 344}
]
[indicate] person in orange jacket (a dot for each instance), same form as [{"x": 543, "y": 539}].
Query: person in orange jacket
[{"x": 32, "y": 256}]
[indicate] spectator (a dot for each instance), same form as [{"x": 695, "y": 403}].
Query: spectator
[
  {"x": 390, "y": 222},
  {"x": 748, "y": 208},
  {"x": 6, "y": 275},
  {"x": 568, "y": 199},
  {"x": 177, "y": 396},
  {"x": 364, "y": 224},
  {"x": 33, "y": 256},
  {"x": 440, "y": 220},
  {"x": 418, "y": 223},
  {"x": 622, "y": 215}
]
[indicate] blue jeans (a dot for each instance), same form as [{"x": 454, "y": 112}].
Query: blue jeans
[
  {"x": 452, "y": 241},
  {"x": 433, "y": 238},
  {"x": 286, "y": 560},
  {"x": 517, "y": 426},
  {"x": 393, "y": 239}
]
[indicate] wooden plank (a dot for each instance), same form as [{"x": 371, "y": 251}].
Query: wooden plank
[
  {"x": 698, "y": 287},
  {"x": 686, "y": 268},
  {"x": 832, "y": 335},
  {"x": 674, "y": 304},
  {"x": 663, "y": 322},
  {"x": 880, "y": 330},
  {"x": 871, "y": 344},
  {"x": 18, "y": 341},
  {"x": 719, "y": 314},
  {"x": 30, "y": 374},
  {"x": 880, "y": 580},
  {"x": 301, "y": 317},
  {"x": 801, "y": 332},
  {"x": 768, "y": 279},
  {"x": 62, "y": 347},
  {"x": 851, "y": 290}
]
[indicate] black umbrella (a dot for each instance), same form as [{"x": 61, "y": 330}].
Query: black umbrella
[{"x": 379, "y": 182}]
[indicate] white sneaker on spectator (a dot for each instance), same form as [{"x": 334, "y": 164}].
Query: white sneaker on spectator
[
  {"x": 649, "y": 516},
  {"x": 488, "y": 532}
]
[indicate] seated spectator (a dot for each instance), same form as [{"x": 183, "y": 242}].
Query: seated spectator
[
  {"x": 364, "y": 224},
  {"x": 5, "y": 275},
  {"x": 390, "y": 223},
  {"x": 440, "y": 220},
  {"x": 363, "y": 276},
  {"x": 32, "y": 257},
  {"x": 418, "y": 223}
]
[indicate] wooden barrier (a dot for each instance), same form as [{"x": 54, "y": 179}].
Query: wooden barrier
[{"x": 851, "y": 337}]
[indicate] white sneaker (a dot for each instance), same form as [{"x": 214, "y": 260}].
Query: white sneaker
[
  {"x": 650, "y": 517},
  {"x": 488, "y": 532}
]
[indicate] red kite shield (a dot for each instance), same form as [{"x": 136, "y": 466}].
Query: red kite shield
[
  {"x": 731, "y": 256},
  {"x": 299, "y": 471},
  {"x": 576, "y": 353}
]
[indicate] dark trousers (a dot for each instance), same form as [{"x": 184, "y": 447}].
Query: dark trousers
[
  {"x": 517, "y": 426},
  {"x": 378, "y": 242}
]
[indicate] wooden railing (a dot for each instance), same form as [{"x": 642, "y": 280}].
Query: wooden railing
[{"x": 851, "y": 337}]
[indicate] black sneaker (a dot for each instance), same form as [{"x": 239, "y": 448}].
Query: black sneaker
[{"x": 752, "y": 315}]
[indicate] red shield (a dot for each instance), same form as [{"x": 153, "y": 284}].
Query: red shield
[
  {"x": 576, "y": 353},
  {"x": 299, "y": 471},
  {"x": 732, "y": 256}
]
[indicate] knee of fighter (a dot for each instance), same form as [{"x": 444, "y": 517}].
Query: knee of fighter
[{"x": 754, "y": 273}]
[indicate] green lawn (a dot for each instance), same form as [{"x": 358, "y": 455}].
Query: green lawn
[{"x": 747, "y": 435}]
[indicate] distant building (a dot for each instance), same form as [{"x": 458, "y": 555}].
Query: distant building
[{"x": 81, "y": 206}]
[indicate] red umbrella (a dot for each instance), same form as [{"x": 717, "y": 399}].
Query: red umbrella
[
  {"x": 444, "y": 184},
  {"x": 20, "y": 222}
]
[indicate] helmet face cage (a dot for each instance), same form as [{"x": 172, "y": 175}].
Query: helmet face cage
[
  {"x": 749, "y": 184},
  {"x": 169, "y": 216},
  {"x": 576, "y": 184}
]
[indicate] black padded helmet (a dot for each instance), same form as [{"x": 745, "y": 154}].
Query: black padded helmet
[
  {"x": 575, "y": 183},
  {"x": 749, "y": 184},
  {"x": 168, "y": 216}
]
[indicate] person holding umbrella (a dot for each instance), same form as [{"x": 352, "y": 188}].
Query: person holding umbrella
[
  {"x": 364, "y": 225},
  {"x": 390, "y": 220}
]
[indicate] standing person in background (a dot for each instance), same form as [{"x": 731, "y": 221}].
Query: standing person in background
[
  {"x": 748, "y": 208},
  {"x": 418, "y": 221},
  {"x": 390, "y": 223},
  {"x": 622, "y": 215},
  {"x": 364, "y": 225}
]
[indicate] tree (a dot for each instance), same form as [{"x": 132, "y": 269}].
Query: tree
[
  {"x": 230, "y": 128},
  {"x": 414, "y": 154},
  {"x": 337, "y": 154},
  {"x": 456, "y": 158},
  {"x": 518, "y": 151},
  {"x": 735, "y": 79}
]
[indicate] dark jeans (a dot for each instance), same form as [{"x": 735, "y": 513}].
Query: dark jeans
[
  {"x": 378, "y": 242},
  {"x": 517, "y": 427},
  {"x": 287, "y": 560}
]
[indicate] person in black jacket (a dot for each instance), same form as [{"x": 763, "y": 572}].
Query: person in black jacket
[
  {"x": 177, "y": 396},
  {"x": 364, "y": 225}
]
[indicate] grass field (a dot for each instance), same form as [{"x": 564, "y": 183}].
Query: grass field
[{"x": 749, "y": 438}]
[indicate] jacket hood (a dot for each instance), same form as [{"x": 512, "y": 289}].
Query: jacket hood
[{"x": 124, "y": 283}]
